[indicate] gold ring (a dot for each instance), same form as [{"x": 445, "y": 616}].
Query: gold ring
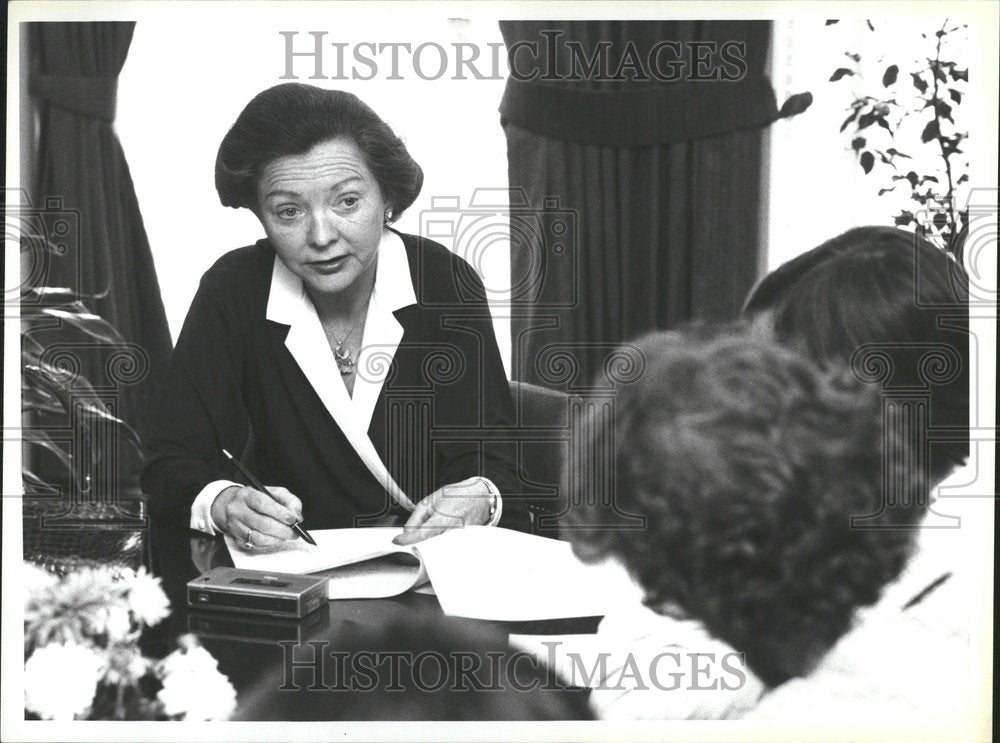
[{"x": 249, "y": 544}]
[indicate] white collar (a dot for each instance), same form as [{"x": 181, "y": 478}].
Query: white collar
[
  {"x": 289, "y": 304},
  {"x": 393, "y": 283}
]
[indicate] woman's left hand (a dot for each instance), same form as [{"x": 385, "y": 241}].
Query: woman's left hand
[{"x": 465, "y": 503}]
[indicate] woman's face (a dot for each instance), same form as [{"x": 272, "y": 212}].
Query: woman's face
[{"x": 324, "y": 215}]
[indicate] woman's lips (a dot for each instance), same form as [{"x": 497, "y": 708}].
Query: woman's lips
[{"x": 328, "y": 266}]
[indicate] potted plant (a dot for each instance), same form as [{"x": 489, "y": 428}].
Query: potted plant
[{"x": 72, "y": 438}]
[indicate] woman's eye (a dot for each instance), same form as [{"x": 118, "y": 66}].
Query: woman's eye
[
  {"x": 349, "y": 201},
  {"x": 287, "y": 212}
]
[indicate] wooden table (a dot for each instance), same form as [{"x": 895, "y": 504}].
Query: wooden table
[{"x": 255, "y": 652}]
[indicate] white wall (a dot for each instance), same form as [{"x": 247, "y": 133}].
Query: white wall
[{"x": 817, "y": 189}]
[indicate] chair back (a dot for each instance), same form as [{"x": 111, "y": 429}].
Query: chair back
[{"x": 543, "y": 419}]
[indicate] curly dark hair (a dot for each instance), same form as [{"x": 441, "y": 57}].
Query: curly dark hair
[
  {"x": 291, "y": 119},
  {"x": 747, "y": 463},
  {"x": 886, "y": 292}
]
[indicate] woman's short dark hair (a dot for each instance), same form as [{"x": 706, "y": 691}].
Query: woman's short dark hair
[
  {"x": 882, "y": 297},
  {"x": 291, "y": 119},
  {"x": 747, "y": 463}
]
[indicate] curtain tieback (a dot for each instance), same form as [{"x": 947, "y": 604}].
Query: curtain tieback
[
  {"x": 91, "y": 97},
  {"x": 644, "y": 115}
]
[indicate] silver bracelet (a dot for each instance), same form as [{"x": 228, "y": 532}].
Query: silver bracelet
[{"x": 494, "y": 494}]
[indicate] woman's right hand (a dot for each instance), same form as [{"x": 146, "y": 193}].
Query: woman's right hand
[{"x": 253, "y": 518}]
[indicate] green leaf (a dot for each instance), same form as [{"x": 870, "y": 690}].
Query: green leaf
[
  {"x": 35, "y": 485},
  {"x": 886, "y": 190},
  {"x": 904, "y": 218},
  {"x": 867, "y": 161},
  {"x": 919, "y": 83},
  {"x": 40, "y": 438},
  {"x": 37, "y": 398},
  {"x": 98, "y": 411},
  {"x": 962, "y": 178},
  {"x": 849, "y": 119},
  {"x": 866, "y": 120},
  {"x": 870, "y": 26},
  {"x": 912, "y": 178},
  {"x": 944, "y": 111},
  {"x": 896, "y": 153},
  {"x": 857, "y": 143},
  {"x": 89, "y": 324},
  {"x": 955, "y": 95},
  {"x": 930, "y": 132},
  {"x": 839, "y": 73},
  {"x": 940, "y": 220},
  {"x": 796, "y": 104},
  {"x": 962, "y": 75},
  {"x": 52, "y": 294},
  {"x": 830, "y": 23},
  {"x": 890, "y": 75},
  {"x": 853, "y": 56}
]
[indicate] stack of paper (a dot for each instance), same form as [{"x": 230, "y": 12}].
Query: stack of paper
[{"x": 478, "y": 572}]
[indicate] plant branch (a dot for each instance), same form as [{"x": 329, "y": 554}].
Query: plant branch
[{"x": 935, "y": 101}]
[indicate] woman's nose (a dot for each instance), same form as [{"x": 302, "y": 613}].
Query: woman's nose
[{"x": 322, "y": 231}]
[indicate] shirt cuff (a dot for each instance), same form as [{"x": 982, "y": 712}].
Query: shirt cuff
[
  {"x": 201, "y": 509},
  {"x": 497, "y": 498}
]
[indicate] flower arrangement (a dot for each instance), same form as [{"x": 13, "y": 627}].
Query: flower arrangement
[{"x": 83, "y": 661}]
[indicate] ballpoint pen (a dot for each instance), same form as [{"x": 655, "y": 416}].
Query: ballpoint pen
[{"x": 297, "y": 528}]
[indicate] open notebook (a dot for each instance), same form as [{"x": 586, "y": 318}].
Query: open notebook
[{"x": 479, "y": 572}]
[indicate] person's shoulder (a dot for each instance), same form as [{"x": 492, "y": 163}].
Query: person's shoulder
[
  {"x": 440, "y": 276},
  {"x": 245, "y": 268}
]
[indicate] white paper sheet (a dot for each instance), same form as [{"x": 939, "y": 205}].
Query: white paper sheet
[
  {"x": 334, "y": 547},
  {"x": 478, "y": 572},
  {"x": 488, "y": 573},
  {"x": 353, "y": 560}
]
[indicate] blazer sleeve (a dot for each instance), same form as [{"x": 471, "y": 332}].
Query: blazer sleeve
[
  {"x": 479, "y": 400},
  {"x": 199, "y": 408}
]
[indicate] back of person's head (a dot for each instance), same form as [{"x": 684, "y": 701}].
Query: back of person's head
[
  {"x": 894, "y": 307},
  {"x": 748, "y": 463},
  {"x": 415, "y": 665}
]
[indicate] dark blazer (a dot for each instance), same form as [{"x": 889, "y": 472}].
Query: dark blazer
[{"x": 233, "y": 384}]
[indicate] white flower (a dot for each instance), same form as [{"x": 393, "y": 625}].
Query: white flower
[
  {"x": 194, "y": 688},
  {"x": 138, "y": 666},
  {"x": 118, "y": 622},
  {"x": 146, "y": 598},
  {"x": 60, "y": 680},
  {"x": 35, "y": 579},
  {"x": 193, "y": 660}
]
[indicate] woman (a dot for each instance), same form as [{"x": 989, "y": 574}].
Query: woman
[
  {"x": 355, "y": 367},
  {"x": 747, "y": 463}
]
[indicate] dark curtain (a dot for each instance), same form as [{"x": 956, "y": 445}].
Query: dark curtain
[
  {"x": 635, "y": 202},
  {"x": 83, "y": 182}
]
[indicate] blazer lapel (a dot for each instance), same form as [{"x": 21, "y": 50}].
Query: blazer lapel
[
  {"x": 289, "y": 304},
  {"x": 393, "y": 290}
]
